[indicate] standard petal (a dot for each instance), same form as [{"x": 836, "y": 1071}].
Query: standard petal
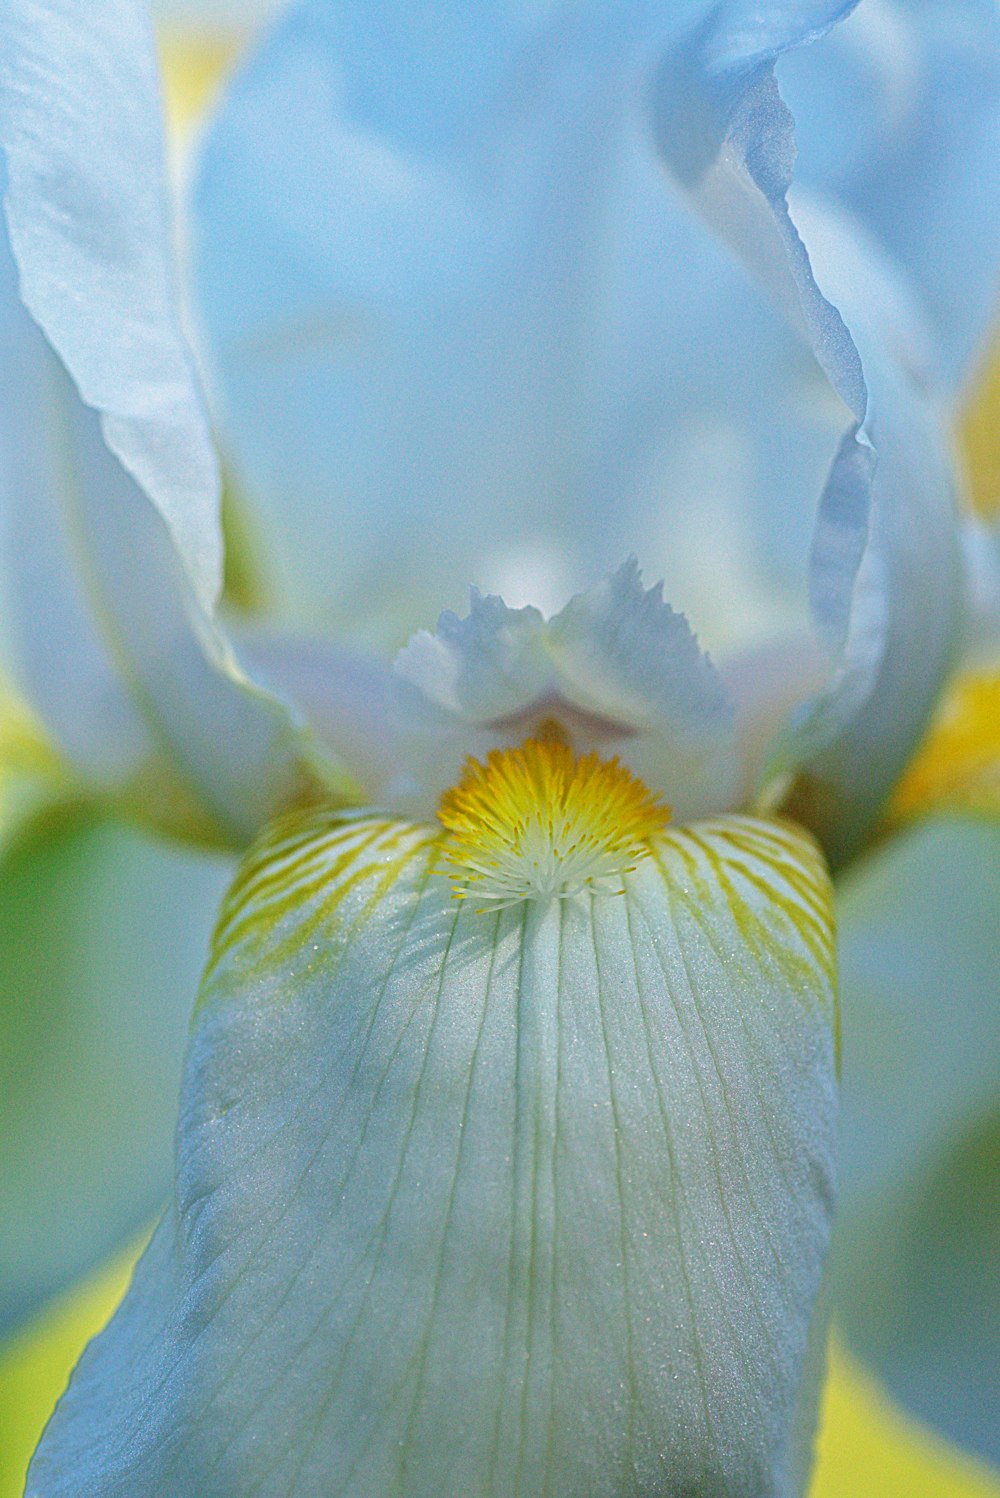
[
  {"x": 103, "y": 932},
  {"x": 533, "y": 1201},
  {"x": 898, "y": 116},
  {"x": 917, "y": 1267},
  {"x": 903, "y": 619},
  {"x": 616, "y": 671},
  {"x": 482, "y": 338},
  {"x": 885, "y": 573}
]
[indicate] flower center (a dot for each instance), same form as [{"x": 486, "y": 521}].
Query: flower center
[{"x": 539, "y": 821}]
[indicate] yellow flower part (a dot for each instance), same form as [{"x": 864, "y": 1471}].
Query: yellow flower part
[
  {"x": 868, "y": 1449},
  {"x": 36, "y": 1362},
  {"x": 194, "y": 64},
  {"x": 31, "y": 771},
  {"x": 539, "y": 821},
  {"x": 957, "y": 768},
  {"x": 981, "y": 440}
]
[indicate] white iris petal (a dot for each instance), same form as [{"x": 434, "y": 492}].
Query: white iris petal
[{"x": 516, "y": 1203}]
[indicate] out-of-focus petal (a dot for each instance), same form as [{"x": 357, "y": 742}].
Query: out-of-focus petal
[
  {"x": 467, "y": 332},
  {"x": 109, "y": 534},
  {"x": 616, "y": 671},
  {"x": 523, "y": 1202},
  {"x": 103, "y": 932},
  {"x": 36, "y": 1362},
  {"x": 32, "y": 775},
  {"x": 981, "y": 440},
  {"x": 917, "y": 1267},
  {"x": 86, "y": 209},
  {"x": 868, "y": 1445},
  {"x": 898, "y": 120},
  {"x": 957, "y": 767}
]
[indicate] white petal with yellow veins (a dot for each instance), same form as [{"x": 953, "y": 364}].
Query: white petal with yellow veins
[{"x": 525, "y": 1202}]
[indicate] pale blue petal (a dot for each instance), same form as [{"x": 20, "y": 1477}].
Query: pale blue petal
[
  {"x": 617, "y": 669},
  {"x": 903, "y": 628},
  {"x": 103, "y": 934},
  {"x": 918, "y": 1267},
  {"x": 885, "y": 576},
  {"x": 109, "y": 538},
  {"x": 509, "y": 1204},
  {"x": 85, "y": 200},
  {"x": 467, "y": 332},
  {"x": 343, "y": 696},
  {"x": 100, "y": 628},
  {"x": 898, "y": 115},
  {"x": 466, "y": 329},
  {"x": 729, "y": 139}
]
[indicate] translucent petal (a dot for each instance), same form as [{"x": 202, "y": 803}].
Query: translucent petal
[
  {"x": 617, "y": 671},
  {"x": 86, "y": 209},
  {"x": 483, "y": 339},
  {"x": 885, "y": 576},
  {"x": 898, "y": 114},
  {"x": 535, "y": 1201}
]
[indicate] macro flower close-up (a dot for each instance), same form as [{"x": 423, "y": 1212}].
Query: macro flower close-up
[{"x": 500, "y": 749}]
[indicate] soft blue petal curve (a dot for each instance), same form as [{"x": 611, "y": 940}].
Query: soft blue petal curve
[
  {"x": 898, "y": 114},
  {"x": 885, "y": 572},
  {"x": 99, "y": 626},
  {"x": 109, "y": 539},
  {"x": 917, "y": 1266},
  {"x": 103, "y": 934},
  {"x": 86, "y": 206},
  {"x": 465, "y": 329},
  {"x": 510, "y": 1204}
]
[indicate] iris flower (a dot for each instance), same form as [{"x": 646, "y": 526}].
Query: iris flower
[{"x": 506, "y": 1155}]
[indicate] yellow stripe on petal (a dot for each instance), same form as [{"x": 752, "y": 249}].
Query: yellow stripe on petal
[
  {"x": 776, "y": 884},
  {"x": 297, "y": 878},
  {"x": 867, "y": 1448},
  {"x": 957, "y": 768},
  {"x": 520, "y": 1203}
]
